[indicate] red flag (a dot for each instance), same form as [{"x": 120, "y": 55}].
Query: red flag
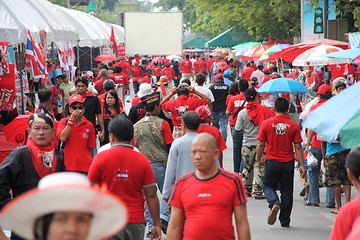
[
  {"x": 112, "y": 38},
  {"x": 269, "y": 39}
]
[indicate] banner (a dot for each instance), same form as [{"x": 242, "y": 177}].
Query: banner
[
  {"x": 7, "y": 89},
  {"x": 66, "y": 55},
  {"x": 121, "y": 50},
  {"x": 18, "y": 83},
  {"x": 107, "y": 51},
  {"x": 4, "y": 66}
]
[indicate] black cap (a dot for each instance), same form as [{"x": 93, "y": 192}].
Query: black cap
[
  {"x": 151, "y": 99},
  {"x": 250, "y": 94}
]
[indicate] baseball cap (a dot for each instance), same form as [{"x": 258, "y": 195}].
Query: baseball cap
[
  {"x": 227, "y": 73},
  {"x": 266, "y": 70},
  {"x": 217, "y": 76},
  {"x": 151, "y": 99},
  {"x": 324, "y": 89},
  {"x": 203, "y": 111},
  {"x": 76, "y": 98},
  {"x": 144, "y": 89}
]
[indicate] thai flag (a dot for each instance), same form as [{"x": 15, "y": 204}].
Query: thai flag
[{"x": 37, "y": 62}]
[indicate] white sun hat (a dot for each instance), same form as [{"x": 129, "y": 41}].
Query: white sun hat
[
  {"x": 144, "y": 89},
  {"x": 66, "y": 191}
]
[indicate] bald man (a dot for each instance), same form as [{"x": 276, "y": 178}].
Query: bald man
[{"x": 208, "y": 197}]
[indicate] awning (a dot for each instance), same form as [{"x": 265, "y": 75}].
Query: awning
[
  {"x": 225, "y": 39},
  {"x": 197, "y": 42}
]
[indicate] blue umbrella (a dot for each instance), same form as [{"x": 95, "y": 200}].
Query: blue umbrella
[
  {"x": 282, "y": 85},
  {"x": 344, "y": 54},
  {"x": 335, "y": 113}
]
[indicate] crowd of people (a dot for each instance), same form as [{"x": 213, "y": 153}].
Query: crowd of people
[{"x": 172, "y": 140}]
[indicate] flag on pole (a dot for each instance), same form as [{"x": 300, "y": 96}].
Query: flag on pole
[
  {"x": 37, "y": 62},
  {"x": 112, "y": 38}
]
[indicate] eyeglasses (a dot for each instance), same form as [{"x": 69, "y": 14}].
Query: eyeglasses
[{"x": 77, "y": 107}]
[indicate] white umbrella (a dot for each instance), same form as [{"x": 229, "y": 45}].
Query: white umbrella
[
  {"x": 174, "y": 57},
  {"x": 314, "y": 56}
]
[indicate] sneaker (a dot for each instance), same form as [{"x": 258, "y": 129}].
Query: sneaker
[
  {"x": 258, "y": 197},
  {"x": 285, "y": 225},
  {"x": 273, "y": 214},
  {"x": 164, "y": 225}
]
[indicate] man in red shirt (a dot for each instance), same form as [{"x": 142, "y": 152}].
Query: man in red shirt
[
  {"x": 203, "y": 66},
  {"x": 120, "y": 78},
  {"x": 319, "y": 78},
  {"x": 156, "y": 70},
  {"x": 235, "y": 105},
  {"x": 210, "y": 62},
  {"x": 196, "y": 66},
  {"x": 78, "y": 134},
  {"x": 266, "y": 76},
  {"x": 206, "y": 116},
  {"x": 130, "y": 179},
  {"x": 181, "y": 105},
  {"x": 186, "y": 68},
  {"x": 282, "y": 136},
  {"x": 57, "y": 96},
  {"x": 99, "y": 83},
  {"x": 199, "y": 194},
  {"x": 246, "y": 73},
  {"x": 125, "y": 66},
  {"x": 168, "y": 71}
]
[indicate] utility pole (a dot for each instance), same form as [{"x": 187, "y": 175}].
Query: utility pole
[{"x": 326, "y": 9}]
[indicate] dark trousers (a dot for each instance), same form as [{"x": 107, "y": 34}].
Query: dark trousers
[
  {"x": 279, "y": 172},
  {"x": 136, "y": 87}
]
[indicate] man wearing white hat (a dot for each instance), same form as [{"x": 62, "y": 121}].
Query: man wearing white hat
[{"x": 65, "y": 206}]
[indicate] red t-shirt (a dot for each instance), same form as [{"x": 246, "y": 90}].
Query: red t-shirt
[
  {"x": 265, "y": 79},
  {"x": 345, "y": 219},
  {"x": 146, "y": 80},
  {"x": 318, "y": 78},
  {"x": 124, "y": 67},
  {"x": 186, "y": 66},
  {"x": 136, "y": 74},
  {"x": 125, "y": 173},
  {"x": 82, "y": 136},
  {"x": 120, "y": 78},
  {"x": 279, "y": 133},
  {"x": 168, "y": 72},
  {"x": 246, "y": 73},
  {"x": 197, "y": 66},
  {"x": 99, "y": 85},
  {"x": 135, "y": 101},
  {"x": 156, "y": 70},
  {"x": 203, "y": 66},
  {"x": 102, "y": 100},
  {"x": 205, "y": 127},
  {"x": 314, "y": 141},
  {"x": 181, "y": 105},
  {"x": 208, "y": 204},
  {"x": 234, "y": 104},
  {"x": 210, "y": 63},
  {"x": 231, "y": 119}
]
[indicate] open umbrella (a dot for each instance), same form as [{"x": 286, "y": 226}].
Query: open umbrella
[
  {"x": 313, "y": 56},
  {"x": 255, "y": 52},
  {"x": 105, "y": 57},
  {"x": 15, "y": 130},
  {"x": 345, "y": 55},
  {"x": 282, "y": 85},
  {"x": 339, "y": 114},
  {"x": 174, "y": 57},
  {"x": 274, "y": 49}
]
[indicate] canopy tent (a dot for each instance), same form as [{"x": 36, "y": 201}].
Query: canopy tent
[
  {"x": 35, "y": 16},
  {"x": 225, "y": 39},
  {"x": 197, "y": 42}
]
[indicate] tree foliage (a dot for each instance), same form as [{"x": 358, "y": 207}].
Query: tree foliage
[{"x": 258, "y": 19}]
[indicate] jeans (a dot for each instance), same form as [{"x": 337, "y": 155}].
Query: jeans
[
  {"x": 313, "y": 173},
  {"x": 237, "y": 144},
  {"x": 221, "y": 121},
  {"x": 211, "y": 76},
  {"x": 136, "y": 87},
  {"x": 279, "y": 172},
  {"x": 330, "y": 198},
  {"x": 159, "y": 172}
]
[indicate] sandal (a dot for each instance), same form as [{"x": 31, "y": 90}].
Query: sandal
[
  {"x": 334, "y": 211},
  {"x": 308, "y": 203}
]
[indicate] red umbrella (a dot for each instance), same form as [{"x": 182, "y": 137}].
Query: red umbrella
[
  {"x": 157, "y": 59},
  {"x": 255, "y": 52},
  {"x": 15, "y": 130},
  {"x": 105, "y": 57},
  {"x": 290, "y": 53}
]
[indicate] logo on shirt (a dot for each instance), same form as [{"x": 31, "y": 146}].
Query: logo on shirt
[
  {"x": 238, "y": 103},
  {"x": 47, "y": 159},
  {"x": 281, "y": 128},
  {"x": 181, "y": 109},
  {"x": 204, "y": 195},
  {"x": 85, "y": 135},
  {"x": 123, "y": 174}
]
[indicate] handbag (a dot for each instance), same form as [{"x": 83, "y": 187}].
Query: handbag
[
  {"x": 59, "y": 152},
  {"x": 311, "y": 160}
]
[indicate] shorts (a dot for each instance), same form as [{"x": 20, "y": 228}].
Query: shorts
[
  {"x": 336, "y": 174},
  {"x": 133, "y": 231},
  {"x": 186, "y": 76},
  {"x": 178, "y": 132}
]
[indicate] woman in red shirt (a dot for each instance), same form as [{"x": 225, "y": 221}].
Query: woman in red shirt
[{"x": 110, "y": 109}]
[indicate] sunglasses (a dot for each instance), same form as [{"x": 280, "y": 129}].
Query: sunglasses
[{"x": 79, "y": 107}]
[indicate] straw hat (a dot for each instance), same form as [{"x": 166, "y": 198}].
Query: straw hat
[{"x": 66, "y": 191}]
